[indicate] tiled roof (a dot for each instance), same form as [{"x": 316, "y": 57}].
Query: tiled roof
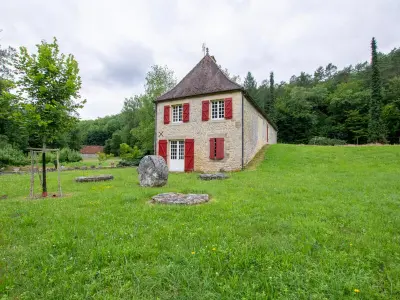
[
  {"x": 91, "y": 149},
  {"x": 205, "y": 78}
]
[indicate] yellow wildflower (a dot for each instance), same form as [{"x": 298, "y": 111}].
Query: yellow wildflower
[
  {"x": 356, "y": 290},
  {"x": 214, "y": 249},
  {"x": 351, "y": 244},
  {"x": 193, "y": 252}
]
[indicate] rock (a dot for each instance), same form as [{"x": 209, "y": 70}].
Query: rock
[
  {"x": 153, "y": 171},
  {"x": 94, "y": 178},
  {"x": 84, "y": 168},
  {"x": 3, "y": 197},
  {"x": 176, "y": 198},
  {"x": 93, "y": 167},
  {"x": 217, "y": 176}
]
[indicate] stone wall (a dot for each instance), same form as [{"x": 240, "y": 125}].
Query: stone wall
[
  {"x": 202, "y": 131},
  {"x": 255, "y": 132}
]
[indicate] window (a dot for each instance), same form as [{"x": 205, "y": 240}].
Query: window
[
  {"x": 176, "y": 113},
  {"x": 177, "y": 149},
  {"x": 217, "y": 110}
]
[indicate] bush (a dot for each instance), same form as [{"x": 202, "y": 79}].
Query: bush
[
  {"x": 101, "y": 156},
  {"x": 130, "y": 163},
  {"x": 67, "y": 155},
  {"x": 324, "y": 141},
  {"x": 130, "y": 154},
  {"x": 10, "y": 156}
]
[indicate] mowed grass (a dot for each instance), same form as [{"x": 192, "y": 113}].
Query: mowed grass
[{"x": 308, "y": 223}]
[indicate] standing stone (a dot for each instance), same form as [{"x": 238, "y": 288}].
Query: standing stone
[{"x": 153, "y": 171}]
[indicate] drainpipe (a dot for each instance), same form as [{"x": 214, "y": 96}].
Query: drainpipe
[
  {"x": 242, "y": 132},
  {"x": 155, "y": 131}
]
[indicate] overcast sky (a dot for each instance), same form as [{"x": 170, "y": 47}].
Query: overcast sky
[{"x": 116, "y": 42}]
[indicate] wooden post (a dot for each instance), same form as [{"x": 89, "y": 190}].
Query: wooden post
[
  {"x": 58, "y": 171},
  {"x": 32, "y": 174},
  {"x": 44, "y": 185}
]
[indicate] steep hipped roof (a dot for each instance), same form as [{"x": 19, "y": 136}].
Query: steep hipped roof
[{"x": 205, "y": 78}]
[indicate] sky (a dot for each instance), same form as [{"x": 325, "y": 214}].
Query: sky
[{"x": 116, "y": 42}]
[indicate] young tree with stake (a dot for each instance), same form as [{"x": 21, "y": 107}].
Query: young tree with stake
[{"x": 49, "y": 84}]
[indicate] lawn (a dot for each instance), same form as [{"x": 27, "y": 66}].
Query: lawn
[{"x": 310, "y": 222}]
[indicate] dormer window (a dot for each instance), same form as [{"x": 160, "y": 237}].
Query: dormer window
[
  {"x": 217, "y": 110},
  {"x": 177, "y": 113}
]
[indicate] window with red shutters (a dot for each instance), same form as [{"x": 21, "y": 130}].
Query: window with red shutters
[
  {"x": 217, "y": 148},
  {"x": 205, "y": 110},
  {"x": 166, "y": 114},
  {"x": 162, "y": 149},
  {"x": 228, "y": 108},
  {"x": 186, "y": 112},
  {"x": 189, "y": 155}
]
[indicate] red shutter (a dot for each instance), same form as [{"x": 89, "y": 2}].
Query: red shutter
[
  {"x": 189, "y": 155},
  {"x": 267, "y": 133},
  {"x": 205, "y": 111},
  {"x": 220, "y": 148},
  {"x": 228, "y": 108},
  {"x": 212, "y": 148},
  {"x": 186, "y": 112},
  {"x": 166, "y": 114},
  {"x": 162, "y": 149}
]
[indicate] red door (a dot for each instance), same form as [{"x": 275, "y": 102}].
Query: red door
[{"x": 189, "y": 155}]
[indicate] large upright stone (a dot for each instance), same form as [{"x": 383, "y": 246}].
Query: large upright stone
[{"x": 153, "y": 171}]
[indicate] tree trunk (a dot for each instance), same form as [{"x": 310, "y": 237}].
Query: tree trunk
[{"x": 44, "y": 183}]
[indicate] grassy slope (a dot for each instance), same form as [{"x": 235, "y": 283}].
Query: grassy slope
[{"x": 310, "y": 222}]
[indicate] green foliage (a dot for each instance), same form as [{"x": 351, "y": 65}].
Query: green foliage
[
  {"x": 9, "y": 156},
  {"x": 102, "y": 157},
  {"x": 49, "y": 84},
  {"x": 376, "y": 129},
  {"x": 68, "y": 155},
  {"x": 324, "y": 141},
  {"x": 321, "y": 225},
  {"x": 128, "y": 153}
]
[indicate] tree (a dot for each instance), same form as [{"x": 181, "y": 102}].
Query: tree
[
  {"x": 49, "y": 84},
  {"x": 158, "y": 81},
  {"x": 270, "y": 108},
  {"x": 250, "y": 85},
  {"x": 376, "y": 130}
]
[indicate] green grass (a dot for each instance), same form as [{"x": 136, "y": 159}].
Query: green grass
[{"x": 308, "y": 223}]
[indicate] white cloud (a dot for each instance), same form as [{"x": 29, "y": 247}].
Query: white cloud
[{"x": 116, "y": 42}]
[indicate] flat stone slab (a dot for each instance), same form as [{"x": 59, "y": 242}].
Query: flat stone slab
[
  {"x": 94, "y": 178},
  {"x": 183, "y": 199},
  {"x": 217, "y": 176}
]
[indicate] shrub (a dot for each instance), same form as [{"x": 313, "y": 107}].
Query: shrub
[
  {"x": 10, "y": 156},
  {"x": 130, "y": 163},
  {"x": 68, "y": 155},
  {"x": 324, "y": 141},
  {"x": 101, "y": 156},
  {"x": 130, "y": 154}
]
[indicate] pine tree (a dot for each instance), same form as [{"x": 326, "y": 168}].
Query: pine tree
[
  {"x": 250, "y": 85},
  {"x": 376, "y": 130},
  {"x": 270, "y": 108}
]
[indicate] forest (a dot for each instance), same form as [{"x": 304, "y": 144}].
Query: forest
[{"x": 328, "y": 106}]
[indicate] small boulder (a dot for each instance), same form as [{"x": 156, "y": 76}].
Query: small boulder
[
  {"x": 177, "y": 198},
  {"x": 217, "y": 176},
  {"x": 153, "y": 171}
]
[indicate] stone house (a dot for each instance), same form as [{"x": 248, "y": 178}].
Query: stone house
[{"x": 208, "y": 123}]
